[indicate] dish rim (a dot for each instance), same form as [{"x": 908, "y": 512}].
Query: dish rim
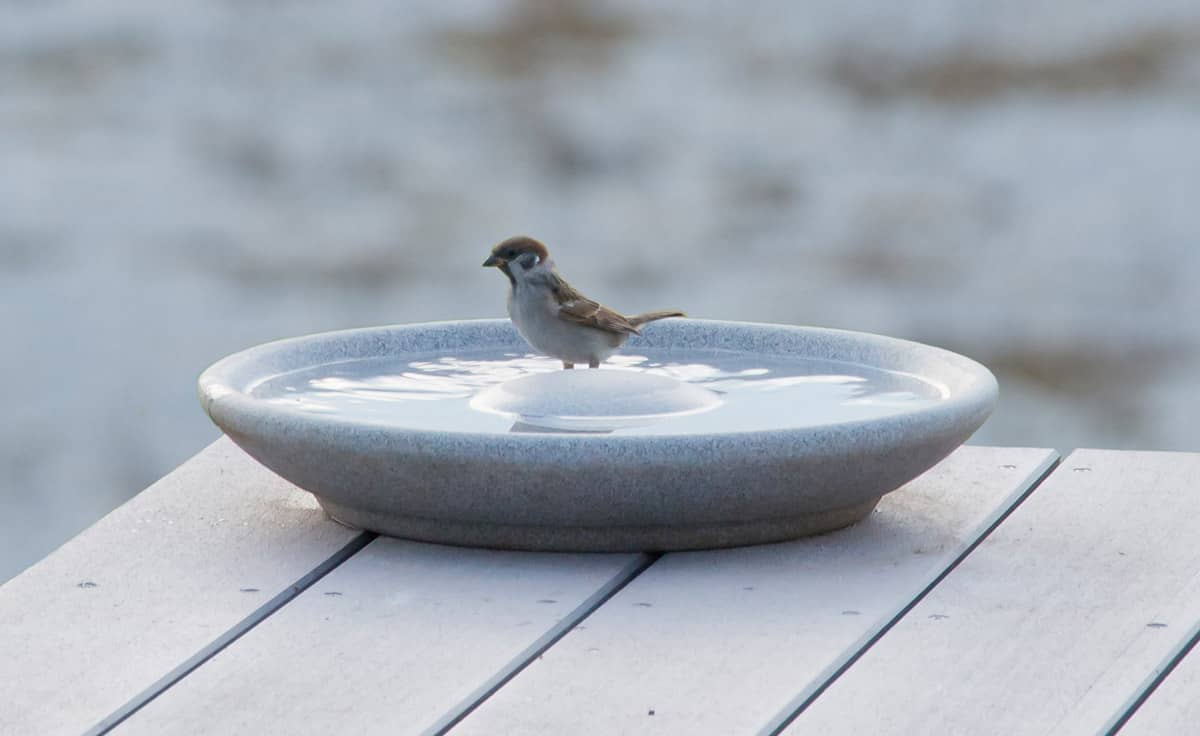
[{"x": 227, "y": 395}]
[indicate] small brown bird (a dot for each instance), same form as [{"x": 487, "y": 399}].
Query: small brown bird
[{"x": 555, "y": 318}]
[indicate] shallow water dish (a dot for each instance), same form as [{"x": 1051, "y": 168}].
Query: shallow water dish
[{"x": 700, "y": 434}]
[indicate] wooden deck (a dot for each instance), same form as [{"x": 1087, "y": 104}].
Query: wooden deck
[{"x": 1000, "y": 593}]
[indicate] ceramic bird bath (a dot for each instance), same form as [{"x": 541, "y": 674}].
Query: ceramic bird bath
[{"x": 699, "y": 434}]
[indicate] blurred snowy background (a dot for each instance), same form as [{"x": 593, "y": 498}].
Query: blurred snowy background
[{"x": 1018, "y": 181}]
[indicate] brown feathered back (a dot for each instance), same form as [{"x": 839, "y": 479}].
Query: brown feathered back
[{"x": 577, "y": 308}]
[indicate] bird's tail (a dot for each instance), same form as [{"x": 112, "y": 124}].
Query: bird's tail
[{"x": 641, "y": 319}]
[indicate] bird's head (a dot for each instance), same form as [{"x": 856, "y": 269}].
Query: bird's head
[{"x": 517, "y": 254}]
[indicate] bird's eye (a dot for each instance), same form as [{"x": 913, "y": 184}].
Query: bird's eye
[{"x": 510, "y": 254}]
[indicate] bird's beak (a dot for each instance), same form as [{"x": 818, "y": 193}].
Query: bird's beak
[{"x": 492, "y": 261}]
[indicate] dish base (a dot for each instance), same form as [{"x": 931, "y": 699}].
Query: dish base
[{"x": 660, "y": 538}]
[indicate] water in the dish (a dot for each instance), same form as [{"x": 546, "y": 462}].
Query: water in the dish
[{"x": 758, "y": 392}]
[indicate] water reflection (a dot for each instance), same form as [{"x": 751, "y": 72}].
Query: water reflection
[
  {"x": 523, "y": 428},
  {"x": 760, "y": 392}
]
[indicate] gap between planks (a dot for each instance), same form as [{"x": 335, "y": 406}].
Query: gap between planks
[
  {"x": 239, "y": 629},
  {"x": 806, "y": 697},
  {"x": 535, "y": 650},
  {"x": 1156, "y": 678}
]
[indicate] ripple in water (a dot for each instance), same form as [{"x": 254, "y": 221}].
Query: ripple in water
[{"x": 759, "y": 392}]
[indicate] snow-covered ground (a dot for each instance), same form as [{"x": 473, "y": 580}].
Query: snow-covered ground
[{"x": 1019, "y": 181}]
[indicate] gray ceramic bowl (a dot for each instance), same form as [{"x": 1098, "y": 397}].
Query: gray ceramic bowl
[{"x": 556, "y": 490}]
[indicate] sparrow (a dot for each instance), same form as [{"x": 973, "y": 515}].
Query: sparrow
[{"x": 555, "y": 318}]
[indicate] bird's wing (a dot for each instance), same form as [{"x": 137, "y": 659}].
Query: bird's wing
[{"x": 577, "y": 308}]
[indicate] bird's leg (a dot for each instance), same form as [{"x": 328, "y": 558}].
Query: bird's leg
[
  {"x": 593, "y": 363},
  {"x": 567, "y": 366}
]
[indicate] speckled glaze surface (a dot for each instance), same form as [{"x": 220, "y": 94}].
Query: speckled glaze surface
[{"x": 564, "y": 491}]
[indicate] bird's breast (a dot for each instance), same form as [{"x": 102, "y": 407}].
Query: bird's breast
[{"x": 536, "y": 317}]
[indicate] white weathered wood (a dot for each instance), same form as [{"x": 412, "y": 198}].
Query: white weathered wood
[
  {"x": 718, "y": 642},
  {"x": 1176, "y": 621},
  {"x": 392, "y": 641},
  {"x": 115, "y": 609},
  {"x": 1048, "y": 626},
  {"x": 1173, "y": 708}
]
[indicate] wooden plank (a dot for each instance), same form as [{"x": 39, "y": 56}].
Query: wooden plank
[
  {"x": 1174, "y": 706},
  {"x": 1052, "y": 623},
  {"x": 718, "y": 642},
  {"x": 1175, "y": 625},
  {"x": 113, "y": 611},
  {"x": 403, "y": 637}
]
